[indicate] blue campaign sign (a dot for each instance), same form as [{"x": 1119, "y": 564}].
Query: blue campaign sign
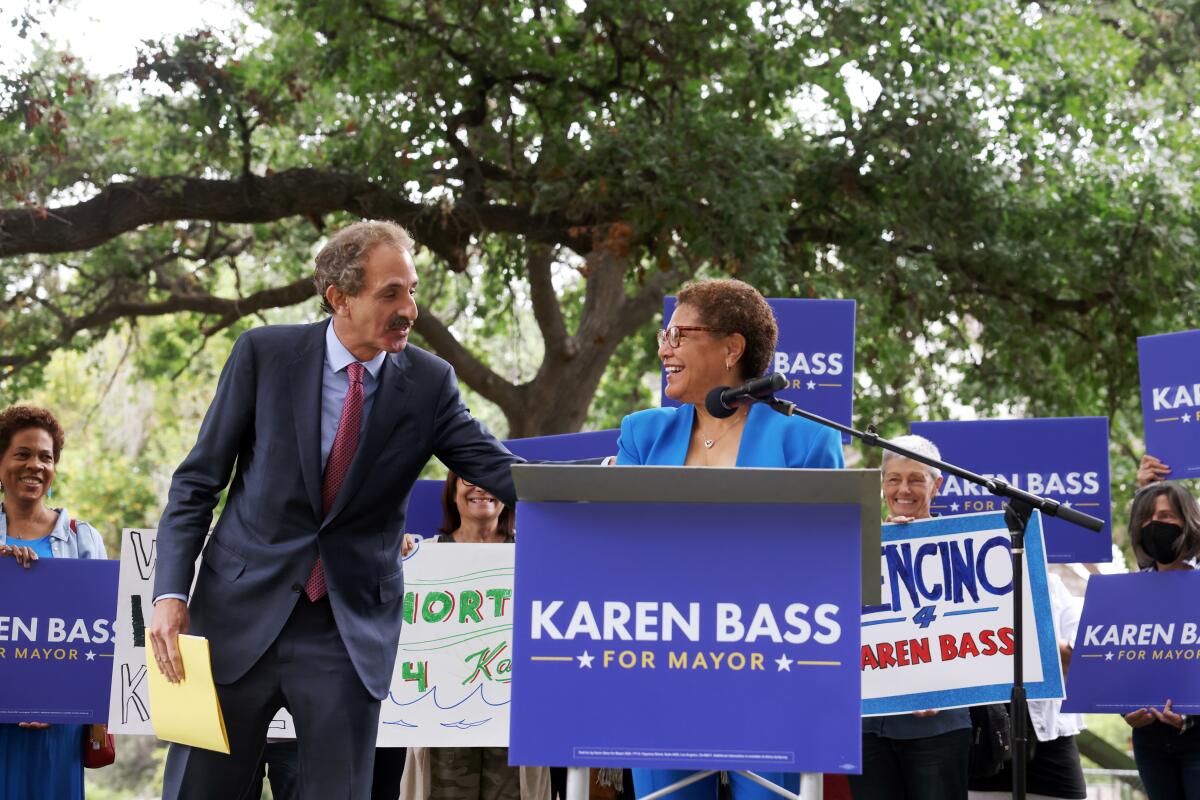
[
  {"x": 944, "y": 636},
  {"x": 1170, "y": 372},
  {"x": 1137, "y": 645},
  {"x": 425, "y": 509},
  {"x": 425, "y": 504},
  {"x": 566, "y": 446},
  {"x": 816, "y": 353},
  {"x": 632, "y": 649},
  {"x": 1065, "y": 459},
  {"x": 56, "y": 640}
]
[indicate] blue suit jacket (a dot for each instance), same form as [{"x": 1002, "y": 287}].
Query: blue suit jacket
[
  {"x": 265, "y": 420},
  {"x": 660, "y": 436}
]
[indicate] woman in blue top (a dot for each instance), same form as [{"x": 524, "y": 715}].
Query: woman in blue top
[
  {"x": 722, "y": 333},
  {"x": 38, "y": 759}
]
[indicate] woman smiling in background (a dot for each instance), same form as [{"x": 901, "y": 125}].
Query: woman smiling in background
[
  {"x": 722, "y": 333},
  {"x": 38, "y": 760}
]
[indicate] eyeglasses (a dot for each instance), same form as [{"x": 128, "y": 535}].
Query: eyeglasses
[{"x": 674, "y": 334}]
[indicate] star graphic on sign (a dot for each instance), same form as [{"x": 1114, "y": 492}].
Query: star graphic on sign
[
  {"x": 785, "y": 664},
  {"x": 1187, "y": 417},
  {"x": 954, "y": 506},
  {"x": 585, "y": 660},
  {"x": 90, "y": 655},
  {"x": 811, "y": 385},
  {"x": 1066, "y": 503},
  {"x": 1108, "y": 656}
]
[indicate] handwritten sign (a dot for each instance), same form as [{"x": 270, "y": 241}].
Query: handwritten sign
[
  {"x": 451, "y": 685},
  {"x": 129, "y": 701},
  {"x": 944, "y": 638}
]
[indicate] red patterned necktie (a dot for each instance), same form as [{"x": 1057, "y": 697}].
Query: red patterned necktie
[{"x": 345, "y": 443}]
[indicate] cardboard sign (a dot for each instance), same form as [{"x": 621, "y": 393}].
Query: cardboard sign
[
  {"x": 630, "y": 649},
  {"x": 944, "y": 636},
  {"x": 56, "y": 640},
  {"x": 1138, "y": 644},
  {"x": 1170, "y": 372},
  {"x": 452, "y": 682},
  {"x": 1065, "y": 459}
]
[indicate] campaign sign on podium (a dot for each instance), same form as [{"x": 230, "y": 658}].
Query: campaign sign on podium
[
  {"x": 679, "y": 633},
  {"x": 1065, "y": 459}
]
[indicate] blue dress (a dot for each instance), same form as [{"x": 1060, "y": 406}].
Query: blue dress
[
  {"x": 660, "y": 437},
  {"x": 40, "y": 764}
]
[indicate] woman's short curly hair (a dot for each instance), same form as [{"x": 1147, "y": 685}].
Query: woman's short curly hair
[
  {"x": 18, "y": 418},
  {"x": 733, "y": 306}
]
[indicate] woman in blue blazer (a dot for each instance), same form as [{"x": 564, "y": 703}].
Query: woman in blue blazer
[{"x": 722, "y": 333}]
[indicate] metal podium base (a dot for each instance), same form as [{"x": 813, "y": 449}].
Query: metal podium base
[{"x": 812, "y": 786}]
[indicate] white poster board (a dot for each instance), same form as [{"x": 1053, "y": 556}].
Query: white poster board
[
  {"x": 943, "y": 636},
  {"x": 451, "y": 682},
  {"x": 451, "y": 686},
  {"x": 129, "y": 703}
]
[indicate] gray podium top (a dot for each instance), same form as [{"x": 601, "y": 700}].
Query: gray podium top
[{"x": 556, "y": 483}]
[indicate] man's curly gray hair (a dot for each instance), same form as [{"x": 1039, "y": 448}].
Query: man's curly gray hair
[{"x": 340, "y": 262}]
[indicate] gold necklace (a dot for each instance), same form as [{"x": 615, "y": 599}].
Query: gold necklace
[{"x": 708, "y": 443}]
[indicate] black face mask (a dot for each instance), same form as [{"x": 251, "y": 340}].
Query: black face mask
[{"x": 1161, "y": 541}]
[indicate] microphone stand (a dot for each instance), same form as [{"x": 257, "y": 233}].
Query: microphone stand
[{"x": 1017, "y": 510}]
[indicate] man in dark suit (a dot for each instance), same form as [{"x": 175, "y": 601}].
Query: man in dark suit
[{"x": 299, "y": 590}]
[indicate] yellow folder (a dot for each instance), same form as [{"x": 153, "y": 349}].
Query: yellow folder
[{"x": 187, "y": 712}]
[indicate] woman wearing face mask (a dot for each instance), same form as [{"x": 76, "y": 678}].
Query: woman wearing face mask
[
  {"x": 38, "y": 759},
  {"x": 1164, "y": 528}
]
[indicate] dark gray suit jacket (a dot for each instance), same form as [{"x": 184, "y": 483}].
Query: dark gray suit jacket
[{"x": 265, "y": 420}]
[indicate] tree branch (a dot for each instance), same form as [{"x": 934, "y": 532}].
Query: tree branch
[
  {"x": 546, "y": 309},
  {"x": 123, "y": 207},
  {"x": 109, "y": 312},
  {"x": 470, "y": 369}
]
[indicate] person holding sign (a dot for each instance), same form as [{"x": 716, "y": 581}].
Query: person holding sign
[
  {"x": 722, "y": 333},
  {"x": 470, "y": 514},
  {"x": 1150, "y": 469},
  {"x": 1054, "y": 769},
  {"x": 1164, "y": 529},
  {"x": 38, "y": 759},
  {"x": 922, "y": 755},
  {"x": 301, "y": 584}
]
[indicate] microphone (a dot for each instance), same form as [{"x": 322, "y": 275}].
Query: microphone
[{"x": 723, "y": 401}]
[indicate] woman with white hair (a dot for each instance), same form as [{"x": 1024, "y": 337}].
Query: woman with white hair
[{"x": 922, "y": 755}]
